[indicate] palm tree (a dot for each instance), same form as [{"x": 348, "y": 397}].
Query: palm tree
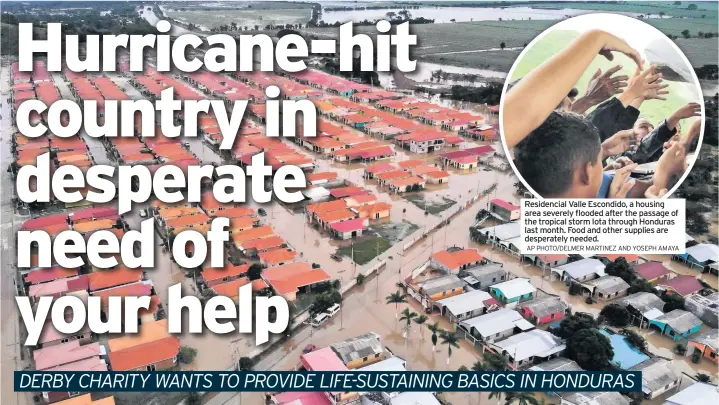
[
  {"x": 407, "y": 316},
  {"x": 494, "y": 361},
  {"x": 396, "y": 298},
  {"x": 496, "y": 394},
  {"x": 451, "y": 340},
  {"x": 434, "y": 327},
  {"x": 478, "y": 366},
  {"x": 520, "y": 398},
  {"x": 420, "y": 320},
  {"x": 701, "y": 377}
]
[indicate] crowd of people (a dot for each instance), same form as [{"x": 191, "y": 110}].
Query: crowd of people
[{"x": 561, "y": 151}]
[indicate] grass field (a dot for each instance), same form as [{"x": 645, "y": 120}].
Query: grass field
[
  {"x": 365, "y": 250},
  {"x": 654, "y": 110},
  {"x": 467, "y": 43}
]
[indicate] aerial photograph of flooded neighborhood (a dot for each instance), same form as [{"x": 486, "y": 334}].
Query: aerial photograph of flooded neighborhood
[{"x": 405, "y": 251}]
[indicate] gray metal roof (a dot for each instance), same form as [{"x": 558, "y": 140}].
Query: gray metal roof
[
  {"x": 583, "y": 267},
  {"x": 535, "y": 343},
  {"x": 358, "y": 347},
  {"x": 487, "y": 274},
  {"x": 680, "y": 320},
  {"x": 498, "y": 321},
  {"x": 595, "y": 398},
  {"x": 467, "y": 302},
  {"x": 642, "y": 302},
  {"x": 546, "y": 305},
  {"x": 698, "y": 393},
  {"x": 704, "y": 252},
  {"x": 709, "y": 338},
  {"x": 557, "y": 364},
  {"x": 441, "y": 283},
  {"x": 504, "y": 231},
  {"x": 656, "y": 374},
  {"x": 608, "y": 284}
]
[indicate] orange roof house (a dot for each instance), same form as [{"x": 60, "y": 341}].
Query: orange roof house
[
  {"x": 373, "y": 211},
  {"x": 149, "y": 332},
  {"x": 253, "y": 233},
  {"x": 157, "y": 355},
  {"x": 232, "y": 288},
  {"x": 287, "y": 280},
  {"x": 330, "y": 217},
  {"x": 90, "y": 226},
  {"x": 120, "y": 275},
  {"x": 455, "y": 260},
  {"x": 277, "y": 257},
  {"x": 214, "y": 275},
  {"x": 256, "y": 246},
  {"x": 408, "y": 164}
]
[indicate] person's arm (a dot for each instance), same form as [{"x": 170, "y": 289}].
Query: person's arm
[
  {"x": 672, "y": 163},
  {"x": 531, "y": 100}
]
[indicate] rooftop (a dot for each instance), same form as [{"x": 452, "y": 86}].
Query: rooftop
[
  {"x": 144, "y": 354},
  {"x": 149, "y": 332},
  {"x": 583, "y": 268},
  {"x": 358, "y": 347},
  {"x": 697, "y": 393},
  {"x": 535, "y": 343},
  {"x": 467, "y": 302},
  {"x": 642, "y": 301},
  {"x": 595, "y": 398},
  {"x": 608, "y": 284},
  {"x": 557, "y": 364},
  {"x": 229, "y": 270},
  {"x": 651, "y": 270},
  {"x": 323, "y": 359},
  {"x": 455, "y": 259},
  {"x": 498, "y": 321},
  {"x": 656, "y": 374},
  {"x": 65, "y": 353},
  {"x": 683, "y": 285},
  {"x": 515, "y": 287},
  {"x": 349, "y": 226},
  {"x": 546, "y": 305},
  {"x": 439, "y": 284},
  {"x": 704, "y": 252},
  {"x": 679, "y": 320},
  {"x": 288, "y": 278}
]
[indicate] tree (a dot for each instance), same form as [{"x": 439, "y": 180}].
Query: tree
[
  {"x": 672, "y": 302},
  {"x": 590, "y": 349},
  {"x": 635, "y": 339},
  {"x": 396, "y": 298},
  {"x": 245, "y": 363},
  {"x": 451, "y": 340},
  {"x": 615, "y": 315},
  {"x": 420, "y": 320},
  {"x": 680, "y": 349},
  {"x": 360, "y": 279},
  {"x": 520, "y": 398},
  {"x": 575, "y": 288},
  {"x": 435, "y": 329},
  {"x": 701, "y": 377},
  {"x": 572, "y": 324},
  {"x": 641, "y": 285},
  {"x": 407, "y": 316},
  {"x": 620, "y": 268},
  {"x": 502, "y": 45},
  {"x": 692, "y": 7},
  {"x": 495, "y": 361},
  {"x": 661, "y": 14},
  {"x": 324, "y": 301},
  {"x": 686, "y": 34},
  {"x": 187, "y": 354},
  {"x": 255, "y": 271}
]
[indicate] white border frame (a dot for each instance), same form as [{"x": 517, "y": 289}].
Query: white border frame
[{"x": 621, "y": 16}]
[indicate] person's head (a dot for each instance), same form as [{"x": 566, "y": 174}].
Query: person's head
[
  {"x": 642, "y": 127},
  {"x": 562, "y": 157}
]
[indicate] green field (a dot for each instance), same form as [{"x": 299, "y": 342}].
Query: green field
[
  {"x": 466, "y": 43},
  {"x": 553, "y": 42},
  {"x": 365, "y": 249}
]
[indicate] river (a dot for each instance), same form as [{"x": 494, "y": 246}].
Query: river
[{"x": 455, "y": 14}]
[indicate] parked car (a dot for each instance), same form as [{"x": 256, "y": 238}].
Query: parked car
[
  {"x": 319, "y": 320},
  {"x": 143, "y": 213},
  {"x": 262, "y": 212},
  {"x": 336, "y": 257},
  {"x": 309, "y": 349},
  {"x": 331, "y": 311}
]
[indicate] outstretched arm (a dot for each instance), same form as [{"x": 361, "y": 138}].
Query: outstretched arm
[{"x": 531, "y": 100}]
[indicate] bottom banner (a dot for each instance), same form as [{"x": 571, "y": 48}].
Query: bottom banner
[{"x": 328, "y": 381}]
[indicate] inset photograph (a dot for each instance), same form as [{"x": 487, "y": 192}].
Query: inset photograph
[{"x": 601, "y": 106}]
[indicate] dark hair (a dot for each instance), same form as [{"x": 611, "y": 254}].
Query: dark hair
[{"x": 549, "y": 156}]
